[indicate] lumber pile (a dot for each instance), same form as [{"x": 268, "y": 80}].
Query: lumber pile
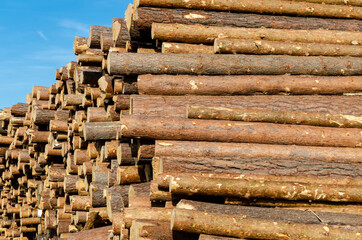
[{"x": 194, "y": 120}]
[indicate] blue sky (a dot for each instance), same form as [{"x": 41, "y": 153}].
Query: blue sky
[{"x": 36, "y": 37}]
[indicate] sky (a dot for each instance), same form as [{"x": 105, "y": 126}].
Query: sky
[{"x": 36, "y": 37}]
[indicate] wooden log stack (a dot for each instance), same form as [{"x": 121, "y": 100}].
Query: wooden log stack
[{"x": 194, "y": 120}]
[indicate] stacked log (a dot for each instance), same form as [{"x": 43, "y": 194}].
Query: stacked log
[{"x": 194, "y": 120}]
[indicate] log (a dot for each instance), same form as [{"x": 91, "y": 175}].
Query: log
[
  {"x": 169, "y": 47},
  {"x": 285, "y": 215},
  {"x": 262, "y": 6},
  {"x": 94, "y": 39},
  {"x": 207, "y": 34},
  {"x": 247, "y": 46},
  {"x": 101, "y": 131},
  {"x": 151, "y": 230},
  {"x": 131, "y": 174},
  {"x": 255, "y": 151},
  {"x": 100, "y": 233},
  {"x": 210, "y": 64},
  {"x": 80, "y": 45},
  {"x": 239, "y": 85},
  {"x": 241, "y": 227},
  {"x": 213, "y": 237},
  {"x": 145, "y": 16},
  {"x": 120, "y": 34},
  {"x": 231, "y": 131},
  {"x": 96, "y": 194},
  {"x": 265, "y": 189},
  {"x": 19, "y": 109},
  {"x": 175, "y": 106},
  {"x": 160, "y": 214},
  {"x": 272, "y": 167},
  {"x": 337, "y": 2},
  {"x": 282, "y": 117},
  {"x": 106, "y": 41}
]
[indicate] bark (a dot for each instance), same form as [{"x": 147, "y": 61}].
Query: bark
[
  {"x": 337, "y": 2},
  {"x": 42, "y": 116},
  {"x": 145, "y": 16},
  {"x": 19, "y": 109},
  {"x": 126, "y": 154},
  {"x": 115, "y": 197},
  {"x": 58, "y": 126},
  {"x": 246, "y": 46},
  {"x": 207, "y": 34},
  {"x": 285, "y": 215},
  {"x": 96, "y": 114},
  {"x": 175, "y": 106},
  {"x": 96, "y": 194},
  {"x": 88, "y": 77},
  {"x": 79, "y": 45},
  {"x": 70, "y": 184},
  {"x": 252, "y": 151},
  {"x": 120, "y": 34},
  {"x": 112, "y": 114},
  {"x": 150, "y": 230},
  {"x": 94, "y": 39},
  {"x": 262, "y": 6},
  {"x": 241, "y": 227},
  {"x": 72, "y": 100},
  {"x": 91, "y": 218},
  {"x": 146, "y": 151},
  {"x": 29, "y": 221},
  {"x": 241, "y": 85},
  {"x": 231, "y": 131},
  {"x": 131, "y": 174},
  {"x": 250, "y": 189},
  {"x": 100, "y": 233},
  {"x": 265, "y": 166},
  {"x": 211, "y": 64},
  {"x": 169, "y": 47},
  {"x": 251, "y": 115},
  {"x": 213, "y": 237},
  {"x": 106, "y": 41},
  {"x": 110, "y": 149}
]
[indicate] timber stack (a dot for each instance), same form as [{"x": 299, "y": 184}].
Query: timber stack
[{"x": 192, "y": 119}]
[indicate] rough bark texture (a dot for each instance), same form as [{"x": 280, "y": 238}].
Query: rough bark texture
[
  {"x": 306, "y": 217},
  {"x": 239, "y": 85},
  {"x": 175, "y": 106},
  {"x": 246, "y": 46},
  {"x": 256, "y": 151},
  {"x": 160, "y": 214},
  {"x": 231, "y": 131},
  {"x": 261, "y": 6},
  {"x": 207, "y": 34},
  {"x": 94, "y": 39},
  {"x": 145, "y": 16},
  {"x": 150, "y": 230},
  {"x": 168, "y": 47},
  {"x": 101, "y": 131},
  {"x": 265, "y": 189},
  {"x": 241, "y": 227},
  {"x": 337, "y": 2},
  {"x": 251, "y": 115},
  {"x": 273, "y": 167},
  {"x": 96, "y": 234},
  {"x": 211, "y": 64},
  {"x": 120, "y": 34}
]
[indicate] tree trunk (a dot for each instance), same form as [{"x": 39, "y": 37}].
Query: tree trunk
[
  {"x": 120, "y": 34},
  {"x": 269, "y": 189},
  {"x": 169, "y": 47},
  {"x": 192, "y": 149},
  {"x": 261, "y": 6},
  {"x": 100, "y": 233},
  {"x": 282, "y": 117},
  {"x": 231, "y": 131},
  {"x": 175, "y": 106},
  {"x": 246, "y": 46},
  {"x": 145, "y": 16},
  {"x": 241, "y": 227},
  {"x": 94, "y": 39},
  {"x": 160, "y": 214},
  {"x": 211, "y": 64},
  {"x": 207, "y": 34}
]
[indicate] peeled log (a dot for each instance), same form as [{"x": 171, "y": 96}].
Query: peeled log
[
  {"x": 265, "y": 189},
  {"x": 168, "y": 47},
  {"x": 282, "y": 117},
  {"x": 261, "y": 6},
  {"x": 175, "y": 106},
  {"x": 246, "y": 84},
  {"x": 242, "y": 227},
  {"x": 194, "y": 149},
  {"x": 207, "y": 34},
  {"x": 211, "y": 64},
  {"x": 231, "y": 131},
  {"x": 247, "y": 46},
  {"x": 144, "y": 17}
]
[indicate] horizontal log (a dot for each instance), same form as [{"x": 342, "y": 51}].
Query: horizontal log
[
  {"x": 239, "y": 85},
  {"x": 19, "y": 109},
  {"x": 251, "y": 115},
  {"x": 241, "y": 227},
  {"x": 94, "y": 39},
  {"x": 286, "y": 215},
  {"x": 144, "y": 17},
  {"x": 160, "y": 214},
  {"x": 175, "y": 106},
  {"x": 101, "y": 131},
  {"x": 337, "y": 2},
  {"x": 231, "y": 131},
  {"x": 207, "y": 34},
  {"x": 262, "y": 6},
  {"x": 210, "y": 64},
  {"x": 169, "y": 47},
  {"x": 265, "y": 189},
  {"x": 80, "y": 45},
  {"x": 96, "y": 234},
  {"x": 194, "y": 149},
  {"x": 247, "y": 46}
]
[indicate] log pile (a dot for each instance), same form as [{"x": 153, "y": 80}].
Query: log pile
[{"x": 194, "y": 120}]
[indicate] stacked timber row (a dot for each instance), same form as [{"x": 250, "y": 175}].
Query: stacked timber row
[{"x": 194, "y": 120}]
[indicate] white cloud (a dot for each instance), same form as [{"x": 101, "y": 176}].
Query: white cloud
[
  {"x": 81, "y": 28},
  {"x": 42, "y": 35}
]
